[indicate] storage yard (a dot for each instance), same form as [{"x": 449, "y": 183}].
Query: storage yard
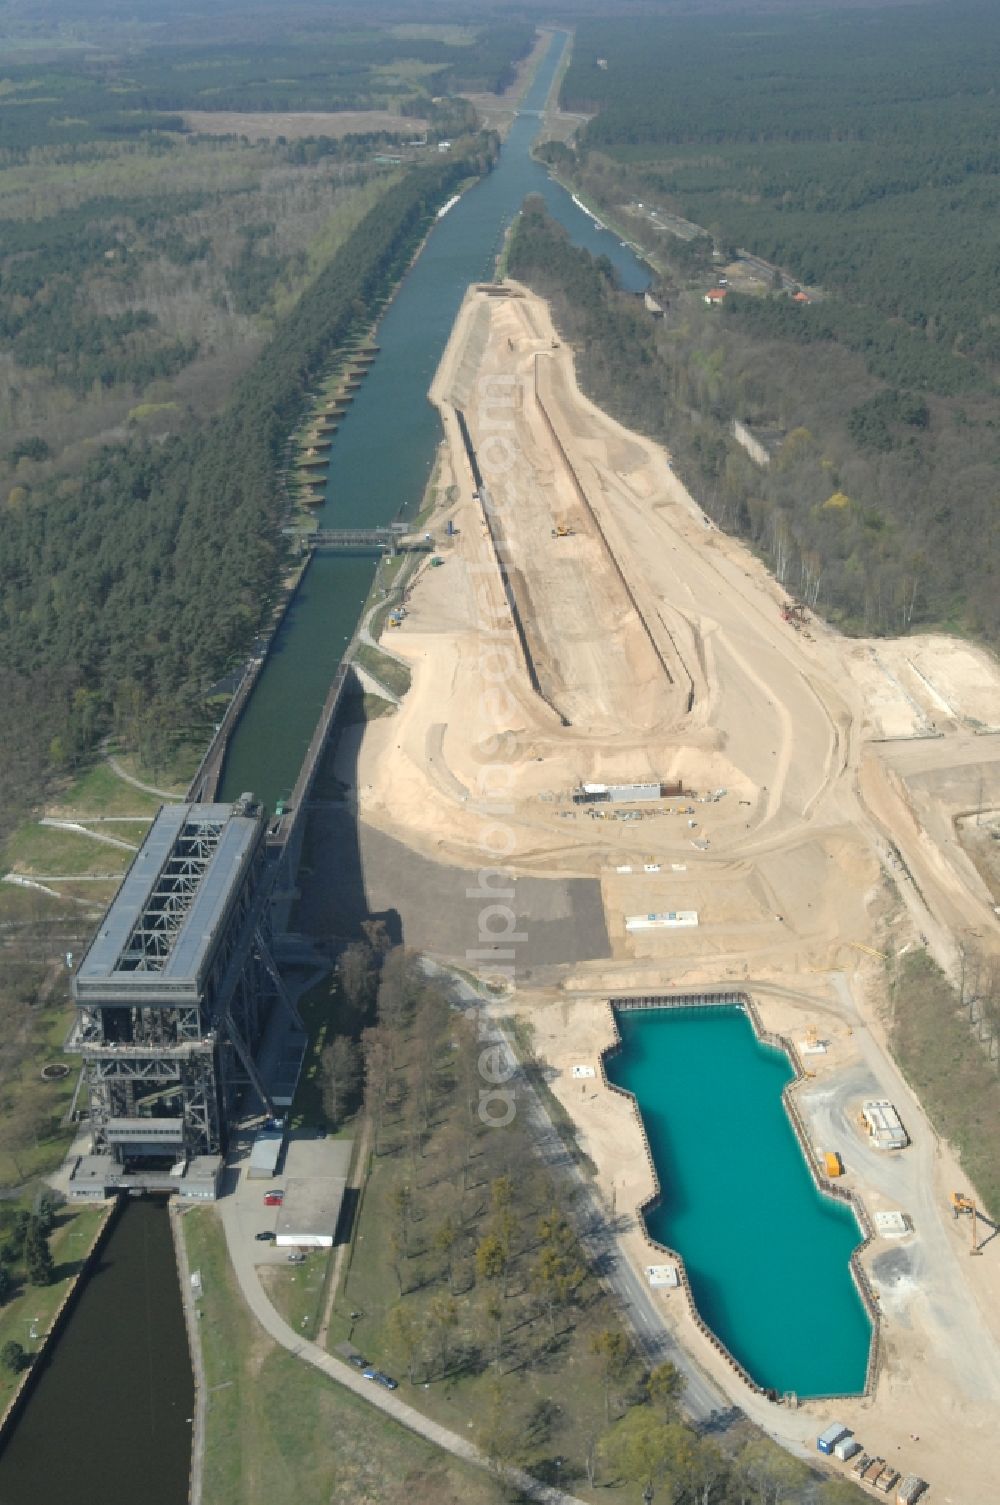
[{"x": 817, "y": 788}]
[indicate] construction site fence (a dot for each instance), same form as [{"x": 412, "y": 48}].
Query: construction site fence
[{"x": 737, "y": 998}]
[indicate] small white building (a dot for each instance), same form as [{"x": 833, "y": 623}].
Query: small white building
[{"x": 884, "y": 1127}]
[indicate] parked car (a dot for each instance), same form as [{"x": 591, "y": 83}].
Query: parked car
[
  {"x": 264, "y": 1237},
  {"x": 358, "y": 1360},
  {"x": 385, "y": 1380},
  {"x": 273, "y": 1198},
  {"x": 296, "y": 1259}
]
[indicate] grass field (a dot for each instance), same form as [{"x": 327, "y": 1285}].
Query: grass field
[
  {"x": 395, "y": 676},
  {"x": 177, "y": 771},
  {"x": 358, "y": 710},
  {"x": 41, "y": 850},
  {"x": 296, "y": 1291},
  {"x": 278, "y": 1430},
  {"x": 99, "y": 791}
]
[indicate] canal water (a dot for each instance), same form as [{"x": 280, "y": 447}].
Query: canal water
[
  {"x": 766, "y": 1253},
  {"x": 109, "y": 1421},
  {"x": 384, "y": 449}
]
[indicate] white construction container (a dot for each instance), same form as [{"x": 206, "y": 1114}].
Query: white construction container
[
  {"x": 846, "y": 1448},
  {"x": 671, "y": 919},
  {"x": 887, "y": 1133}
]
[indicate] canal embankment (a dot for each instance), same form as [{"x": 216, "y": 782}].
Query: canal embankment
[
  {"x": 112, "y": 1402},
  {"x": 190, "y": 1289},
  {"x": 31, "y": 1374}
]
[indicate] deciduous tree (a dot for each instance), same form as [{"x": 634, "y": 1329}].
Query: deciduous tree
[{"x": 341, "y": 1068}]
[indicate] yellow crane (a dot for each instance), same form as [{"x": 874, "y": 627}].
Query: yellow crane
[{"x": 961, "y": 1203}]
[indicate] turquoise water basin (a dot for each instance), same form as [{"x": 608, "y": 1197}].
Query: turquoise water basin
[{"x": 767, "y": 1254}]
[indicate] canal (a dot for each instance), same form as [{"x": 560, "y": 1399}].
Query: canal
[
  {"x": 383, "y": 452},
  {"x": 109, "y": 1420},
  {"x": 110, "y": 1415},
  {"x": 766, "y": 1253}
]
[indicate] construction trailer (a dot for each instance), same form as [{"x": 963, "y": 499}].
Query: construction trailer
[
  {"x": 625, "y": 794},
  {"x": 827, "y": 1441},
  {"x": 884, "y": 1128},
  {"x": 174, "y": 998}
]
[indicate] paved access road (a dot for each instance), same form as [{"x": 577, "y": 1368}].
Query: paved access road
[{"x": 242, "y": 1253}]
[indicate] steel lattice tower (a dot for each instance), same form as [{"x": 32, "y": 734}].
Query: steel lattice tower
[{"x": 174, "y": 991}]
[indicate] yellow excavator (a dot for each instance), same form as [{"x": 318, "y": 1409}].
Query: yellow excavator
[{"x": 961, "y": 1203}]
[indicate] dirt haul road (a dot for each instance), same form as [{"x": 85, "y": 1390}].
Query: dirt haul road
[{"x": 589, "y": 625}]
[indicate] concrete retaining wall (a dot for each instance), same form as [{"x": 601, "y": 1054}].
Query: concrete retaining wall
[{"x": 738, "y": 999}]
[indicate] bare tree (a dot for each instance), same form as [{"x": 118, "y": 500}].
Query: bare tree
[
  {"x": 357, "y": 975},
  {"x": 340, "y": 1064}
]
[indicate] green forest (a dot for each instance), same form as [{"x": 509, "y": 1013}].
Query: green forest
[
  {"x": 154, "y": 568},
  {"x": 167, "y": 297},
  {"x": 856, "y": 151},
  {"x": 122, "y": 95},
  {"x": 874, "y": 509}
]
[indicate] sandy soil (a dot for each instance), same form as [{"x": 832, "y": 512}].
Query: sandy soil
[
  {"x": 823, "y": 779},
  {"x": 263, "y": 124}
]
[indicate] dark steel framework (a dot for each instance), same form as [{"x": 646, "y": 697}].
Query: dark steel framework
[{"x": 169, "y": 1062}]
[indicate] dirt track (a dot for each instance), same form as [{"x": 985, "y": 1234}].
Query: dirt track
[{"x": 662, "y": 643}]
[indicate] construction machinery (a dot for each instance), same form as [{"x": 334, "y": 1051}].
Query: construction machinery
[
  {"x": 794, "y": 613},
  {"x": 868, "y": 950},
  {"x": 961, "y": 1203},
  {"x": 562, "y": 530}
]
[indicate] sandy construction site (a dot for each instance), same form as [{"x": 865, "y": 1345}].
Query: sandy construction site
[{"x": 589, "y": 626}]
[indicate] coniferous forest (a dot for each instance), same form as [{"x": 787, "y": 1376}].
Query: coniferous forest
[
  {"x": 855, "y": 152},
  {"x": 169, "y": 292}
]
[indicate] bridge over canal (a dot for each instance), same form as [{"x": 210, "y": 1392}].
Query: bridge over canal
[{"x": 396, "y": 538}]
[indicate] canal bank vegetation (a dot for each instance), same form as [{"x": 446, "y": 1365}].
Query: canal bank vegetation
[
  {"x": 384, "y": 667},
  {"x": 943, "y": 1056},
  {"x": 277, "y": 1429},
  {"x": 147, "y": 577},
  {"x": 167, "y": 297},
  {"x": 28, "y": 1307}
]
